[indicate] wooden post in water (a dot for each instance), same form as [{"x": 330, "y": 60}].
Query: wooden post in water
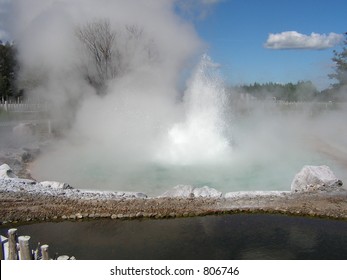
[
  {"x": 35, "y": 253},
  {"x": 2, "y": 251},
  {"x": 44, "y": 252},
  {"x": 12, "y": 244},
  {"x": 24, "y": 249}
]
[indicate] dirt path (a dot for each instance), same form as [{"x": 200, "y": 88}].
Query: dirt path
[{"x": 24, "y": 206}]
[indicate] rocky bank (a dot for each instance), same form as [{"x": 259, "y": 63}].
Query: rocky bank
[{"x": 315, "y": 191}]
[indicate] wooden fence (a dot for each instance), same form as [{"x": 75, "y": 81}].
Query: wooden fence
[
  {"x": 18, "y": 248},
  {"x": 36, "y": 106},
  {"x": 25, "y": 107}
]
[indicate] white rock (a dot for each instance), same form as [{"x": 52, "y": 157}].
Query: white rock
[
  {"x": 206, "y": 192},
  {"x": 6, "y": 172},
  {"x": 255, "y": 194},
  {"x": 179, "y": 191},
  {"x": 140, "y": 195},
  {"x": 55, "y": 185},
  {"x": 314, "y": 178},
  {"x": 190, "y": 191}
]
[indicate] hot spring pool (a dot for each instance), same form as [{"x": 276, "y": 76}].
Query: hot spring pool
[
  {"x": 124, "y": 143},
  {"x": 86, "y": 171}
]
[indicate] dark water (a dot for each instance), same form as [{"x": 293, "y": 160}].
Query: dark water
[{"x": 213, "y": 237}]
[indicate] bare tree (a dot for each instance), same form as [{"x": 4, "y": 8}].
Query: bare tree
[
  {"x": 147, "y": 46},
  {"x": 99, "y": 41},
  {"x": 113, "y": 53}
]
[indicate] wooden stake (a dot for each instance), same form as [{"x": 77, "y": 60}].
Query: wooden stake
[
  {"x": 12, "y": 244},
  {"x": 24, "y": 249},
  {"x": 44, "y": 252},
  {"x": 2, "y": 251}
]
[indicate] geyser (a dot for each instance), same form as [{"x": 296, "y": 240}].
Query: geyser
[
  {"x": 201, "y": 138},
  {"x": 130, "y": 128},
  {"x": 128, "y": 148},
  {"x": 125, "y": 141}
]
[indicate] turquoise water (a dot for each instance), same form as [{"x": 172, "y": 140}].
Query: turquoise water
[
  {"x": 265, "y": 153},
  {"x": 237, "y": 174}
]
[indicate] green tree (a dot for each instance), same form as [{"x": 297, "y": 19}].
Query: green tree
[
  {"x": 8, "y": 70},
  {"x": 340, "y": 68},
  {"x": 301, "y": 91}
]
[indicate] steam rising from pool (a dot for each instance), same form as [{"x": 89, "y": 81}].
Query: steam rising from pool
[
  {"x": 123, "y": 142},
  {"x": 142, "y": 150},
  {"x": 166, "y": 117}
]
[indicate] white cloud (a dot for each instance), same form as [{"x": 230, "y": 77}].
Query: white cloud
[{"x": 296, "y": 40}]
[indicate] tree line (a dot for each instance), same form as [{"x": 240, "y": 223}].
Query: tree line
[{"x": 300, "y": 92}]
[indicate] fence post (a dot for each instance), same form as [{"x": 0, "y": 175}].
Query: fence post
[
  {"x": 35, "y": 253},
  {"x": 44, "y": 252},
  {"x": 12, "y": 244},
  {"x": 2, "y": 251},
  {"x": 24, "y": 250},
  {"x": 49, "y": 127}
]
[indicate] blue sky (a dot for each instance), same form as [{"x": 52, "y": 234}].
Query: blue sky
[{"x": 236, "y": 30}]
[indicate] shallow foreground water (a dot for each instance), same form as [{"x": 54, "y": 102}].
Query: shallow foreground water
[{"x": 239, "y": 236}]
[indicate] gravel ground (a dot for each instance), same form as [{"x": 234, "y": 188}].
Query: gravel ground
[{"x": 23, "y": 205}]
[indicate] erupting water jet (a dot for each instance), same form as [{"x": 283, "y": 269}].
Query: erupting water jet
[{"x": 201, "y": 138}]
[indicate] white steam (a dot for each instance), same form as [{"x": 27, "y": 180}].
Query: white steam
[
  {"x": 142, "y": 133},
  {"x": 114, "y": 138},
  {"x": 52, "y": 57}
]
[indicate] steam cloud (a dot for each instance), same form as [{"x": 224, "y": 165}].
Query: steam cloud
[
  {"x": 141, "y": 130},
  {"x": 122, "y": 128},
  {"x": 296, "y": 40},
  {"x": 51, "y": 54}
]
